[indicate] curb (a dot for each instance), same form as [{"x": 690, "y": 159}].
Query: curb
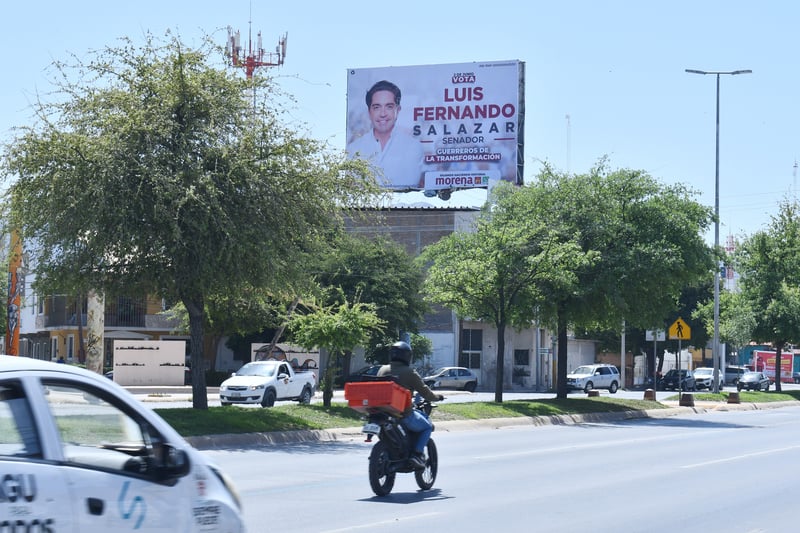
[{"x": 353, "y": 434}]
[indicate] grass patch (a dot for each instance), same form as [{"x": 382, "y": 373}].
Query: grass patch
[
  {"x": 746, "y": 396},
  {"x": 233, "y": 419}
]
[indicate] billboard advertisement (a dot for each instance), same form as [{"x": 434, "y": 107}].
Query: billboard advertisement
[
  {"x": 764, "y": 361},
  {"x": 436, "y": 127}
]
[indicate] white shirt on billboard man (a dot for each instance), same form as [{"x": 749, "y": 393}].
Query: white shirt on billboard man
[{"x": 396, "y": 153}]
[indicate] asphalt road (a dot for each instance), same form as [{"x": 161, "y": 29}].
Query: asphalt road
[{"x": 690, "y": 472}]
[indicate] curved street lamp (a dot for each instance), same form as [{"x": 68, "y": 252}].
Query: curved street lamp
[{"x": 715, "y": 346}]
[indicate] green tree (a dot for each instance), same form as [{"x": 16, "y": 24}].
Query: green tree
[
  {"x": 338, "y": 328},
  {"x": 151, "y": 171},
  {"x": 646, "y": 241},
  {"x": 497, "y": 273},
  {"x": 736, "y": 318},
  {"x": 378, "y": 272},
  {"x": 769, "y": 265}
]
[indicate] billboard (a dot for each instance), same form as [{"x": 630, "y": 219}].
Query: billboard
[
  {"x": 764, "y": 361},
  {"x": 436, "y": 127}
]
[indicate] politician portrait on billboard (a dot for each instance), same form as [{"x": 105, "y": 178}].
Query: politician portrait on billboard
[{"x": 436, "y": 127}]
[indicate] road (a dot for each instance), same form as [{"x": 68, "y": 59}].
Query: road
[{"x": 716, "y": 471}]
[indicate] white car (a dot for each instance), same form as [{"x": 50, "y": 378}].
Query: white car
[
  {"x": 704, "y": 378},
  {"x": 78, "y": 453},
  {"x": 599, "y": 376}
]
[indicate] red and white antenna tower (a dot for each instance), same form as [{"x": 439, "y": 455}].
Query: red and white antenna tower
[{"x": 256, "y": 57}]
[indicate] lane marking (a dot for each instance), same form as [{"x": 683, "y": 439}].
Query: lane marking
[{"x": 741, "y": 457}]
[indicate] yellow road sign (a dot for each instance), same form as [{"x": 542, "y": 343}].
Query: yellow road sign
[{"x": 680, "y": 330}]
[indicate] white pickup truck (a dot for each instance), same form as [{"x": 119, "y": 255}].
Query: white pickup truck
[{"x": 265, "y": 382}]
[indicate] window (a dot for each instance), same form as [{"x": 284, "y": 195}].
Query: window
[
  {"x": 471, "y": 348},
  {"x": 70, "y": 347},
  {"x": 18, "y": 435},
  {"x": 97, "y": 434},
  {"x": 522, "y": 357}
]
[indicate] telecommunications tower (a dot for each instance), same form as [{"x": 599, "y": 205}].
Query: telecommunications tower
[{"x": 253, "y": 58}]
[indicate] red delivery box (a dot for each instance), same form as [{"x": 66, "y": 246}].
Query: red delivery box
[{"x": 381, "y": 395}]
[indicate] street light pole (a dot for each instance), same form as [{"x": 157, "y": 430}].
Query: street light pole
[{"x": 715, "y": 345}]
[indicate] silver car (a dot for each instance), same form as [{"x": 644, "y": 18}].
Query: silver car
[
  {"x": 599, "y": 376},
  {"x": 452, "y": 377}
]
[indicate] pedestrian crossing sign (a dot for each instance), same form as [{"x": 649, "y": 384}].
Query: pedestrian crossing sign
[{"x": 680, "y": 330}]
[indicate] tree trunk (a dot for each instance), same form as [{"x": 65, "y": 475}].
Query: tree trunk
[
  {"x": 561, "y": 371},
  {"x": 778, "y": 350},
  {"x": 196, "y": 310},
  {"x": 81, "y": 336},
  {"x": 95, "y": 327},
  {"x": 501, "y": 350}
]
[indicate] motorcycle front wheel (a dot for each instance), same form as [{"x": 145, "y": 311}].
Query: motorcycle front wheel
[
  {"x": 380, "y": 478},
  {"x": 425, "y": 478}
]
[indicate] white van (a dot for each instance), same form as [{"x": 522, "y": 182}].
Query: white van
[{"x": 78, "y": 453}]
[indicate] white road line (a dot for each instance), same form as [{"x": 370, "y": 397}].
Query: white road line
[{"x": 741, "y": 457}]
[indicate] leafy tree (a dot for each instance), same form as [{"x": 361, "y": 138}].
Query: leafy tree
[
  {"x": 645, "y": 241},
  {"x": 736, "y": 318},
  {"x": 338, "y": 328},
  {"x": 151, "y": 171},
  {"x": 378, "y": 272},
  {"x": 496, "y": 273},
  {"x": 769, "y": 264},
  {"x": 578, "y": 250}
]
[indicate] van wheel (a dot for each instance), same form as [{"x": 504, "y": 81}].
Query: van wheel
[
  {"x": 613, "y": 388},
  {"x": 269, "y": 398},
  {"x": 589, "y": 386}
]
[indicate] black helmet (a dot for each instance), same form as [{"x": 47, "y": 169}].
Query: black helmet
[{"x": 400, "y": 351}]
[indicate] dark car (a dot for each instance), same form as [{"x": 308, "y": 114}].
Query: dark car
[
  {"x": 754, "y": 381},
  {"x": 363, "y": 374},
  {"x": 796, "y": 377},
  {"x": 674, "y": 380}
]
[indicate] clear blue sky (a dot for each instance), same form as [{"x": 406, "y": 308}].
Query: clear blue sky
[{"x": 615, "y": 68}]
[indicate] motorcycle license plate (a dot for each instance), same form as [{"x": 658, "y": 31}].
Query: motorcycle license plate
[{"x": 372, "y": 429}]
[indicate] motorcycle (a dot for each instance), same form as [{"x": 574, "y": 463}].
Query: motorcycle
[{"x": 391, "y": 453}]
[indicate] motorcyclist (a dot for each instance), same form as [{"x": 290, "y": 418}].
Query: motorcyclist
[{"x": 413, "y": 420}]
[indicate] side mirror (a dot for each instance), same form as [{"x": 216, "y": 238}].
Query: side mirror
[{"x": 174, "y": 463}]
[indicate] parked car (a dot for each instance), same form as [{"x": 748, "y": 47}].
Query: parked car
[
  {"x": 733, "y": 373},
  {"x": 754, "y": 381},
  {"x": 588, "y": 377},
  {"x": 452, "y": 377},
  {"x": 704, "y": 378},
  {"x": 265, "y": 382},
  {"x": 363, "y": 374},
  {"x": 796, "y": 377},
  {"x": 87, "y": 456},
  {"x": 676, "y": 379}
]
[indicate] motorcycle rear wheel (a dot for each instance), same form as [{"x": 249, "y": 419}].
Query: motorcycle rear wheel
[
  {"x": 380, "y": 479},
  {"x": 425, "y": 478}
]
